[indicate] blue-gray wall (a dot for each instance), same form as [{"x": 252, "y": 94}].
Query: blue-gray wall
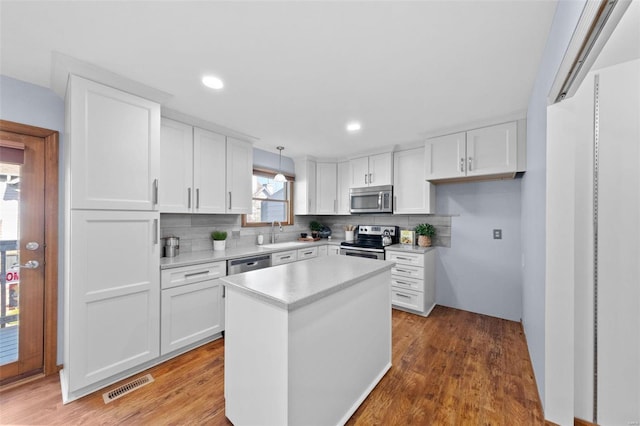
[
  {"x": 534, "y": 187},
  {"x": 38, "y": 106}
]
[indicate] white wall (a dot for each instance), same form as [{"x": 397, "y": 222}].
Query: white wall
[
  {"x": 477, "y": 273},
  {"x": 533, "y": 188},
  {"x": 38, "y": 106}
]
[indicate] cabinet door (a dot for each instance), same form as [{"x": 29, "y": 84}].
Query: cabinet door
[
  {"x": 359, "y": 170},
  {"x": 239, "y": 175},
  {"x": 209, "y": 172},
  {"x": 492, "y": 150},
  {"x": 191, "y": 313},
  {"x": 176, "y": 167},
  {"x": 343, "y": 188},
  {"x": 323, "y": 251},
  {"x": 333, "y": 250},
  {"x": 113, "y": 300},
  {"x": 326, "y": 188},
  {"x": 305, "y": 187},
  {"x": 381, "y": 169},
  {"x": 412, "y": 193},
  {"x": 114, "y": 148},
  {"x": 445, "y": 157}
]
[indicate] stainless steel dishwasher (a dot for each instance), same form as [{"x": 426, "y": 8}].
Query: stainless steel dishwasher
[{"x": 245, "y": 264}]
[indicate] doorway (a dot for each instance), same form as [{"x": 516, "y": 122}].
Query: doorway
[{"x": 28, "y": 251}]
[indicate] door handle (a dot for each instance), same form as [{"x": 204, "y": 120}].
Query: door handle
[
  {"x": 365, "y": 179},
  {"x": 188, "y": 198},
  {"x": 230, "y": 200},
  {"x": 155, "y": 231},
  {"x": 461, "y": 165},
  {"x": 469, "y": 166},
  {"x": 197, "y": 198},
  {"x": 155, "y": 191},
  {"x": 32, "y": 264},
  {"x": 370, "y": 178}
]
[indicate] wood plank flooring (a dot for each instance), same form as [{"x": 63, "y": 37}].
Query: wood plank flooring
[{"x": 452, "y": 368}]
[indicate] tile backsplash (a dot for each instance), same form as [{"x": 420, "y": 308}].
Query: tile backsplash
[{"x": 194, "y": 230}]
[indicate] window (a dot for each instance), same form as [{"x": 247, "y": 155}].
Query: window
[{"x": 271, "y": 200}]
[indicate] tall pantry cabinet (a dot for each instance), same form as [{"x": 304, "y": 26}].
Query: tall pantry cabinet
[{"x": 112, "y": 248}]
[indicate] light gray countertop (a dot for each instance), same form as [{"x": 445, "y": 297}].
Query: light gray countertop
[
  {"x": 408, "y": 249},
  {"x": 204, "y": 256},
  {"x": 298, "y": 284}
]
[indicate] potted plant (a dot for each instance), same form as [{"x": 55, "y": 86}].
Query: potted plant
[
  {"x": 219, "y": 240},
  {"x": 425, "y": 231},
  {"x": 316, "y": 227}
]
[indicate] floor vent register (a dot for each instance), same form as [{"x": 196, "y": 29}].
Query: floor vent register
[{"x": 126, "y": 388}]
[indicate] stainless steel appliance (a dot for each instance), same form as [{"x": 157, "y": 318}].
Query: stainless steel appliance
[
  {"x": 171, "y": 246},
  {"x": 245, "y": 264},
  {"x": 370, "y": 241},
  {"x": 371, "y": 199}
]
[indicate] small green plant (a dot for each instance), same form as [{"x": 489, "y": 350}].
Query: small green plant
[
  {"x": 425, "y": 229},
  {"x": 315, "y": 226},
  {"x": 219, "y": 235}
]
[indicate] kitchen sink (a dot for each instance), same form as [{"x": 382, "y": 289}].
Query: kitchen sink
[{"x": 284, "y": 245}]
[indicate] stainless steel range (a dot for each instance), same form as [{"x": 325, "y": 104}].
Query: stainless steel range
[{"x": 370, "y": 241}]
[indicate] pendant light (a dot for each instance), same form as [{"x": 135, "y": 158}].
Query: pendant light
[{"x": 280, "y": 177}]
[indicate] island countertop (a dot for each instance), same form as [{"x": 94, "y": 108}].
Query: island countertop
[{"x": 298, "y": 284}]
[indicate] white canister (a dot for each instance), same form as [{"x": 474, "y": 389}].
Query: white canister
[
  {"x": 348, "y": 235},
  {"x": 260, "y": 239}
]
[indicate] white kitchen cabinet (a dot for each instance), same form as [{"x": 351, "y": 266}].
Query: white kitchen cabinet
[
  {"x": 323, "y": 251},
  {"x": 305, "y": 186},
  {"x": 192, "y": 305},
  {"x": 412, "y": 193},
  {"x": 326, "y": 188},
  {"x": 114, "y": 147},
  {"x": 333, "y": 250},
  {"x": 413, "y": 283},
  {"x": 343, "y": 188},
  {"x": 239, "y": 176},
  {"x": 307, "y": 253},
  {"x": 373, "y": 170},
  {"x": 113, "y": 294},
  {"x": 284, "y": 257},
  {"x": 176, "y": 167},
  {"x": 210, "y": 163},
  {"x": 203, "y": 171},
  {"x": 487, "y": 152}
]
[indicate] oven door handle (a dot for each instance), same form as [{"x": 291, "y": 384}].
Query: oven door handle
[{"x": 351, "y": 248}]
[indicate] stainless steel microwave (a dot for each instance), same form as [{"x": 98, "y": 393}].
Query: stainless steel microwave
[{"x": 371, "y": 199}]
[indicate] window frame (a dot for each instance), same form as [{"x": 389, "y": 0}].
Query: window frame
[{"x": 271, "y": 174}]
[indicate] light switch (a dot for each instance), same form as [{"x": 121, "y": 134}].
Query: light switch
[{"x": 497, "y": 234}]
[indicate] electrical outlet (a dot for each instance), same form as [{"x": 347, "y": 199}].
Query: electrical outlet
[{"x": 497, "y": 234}]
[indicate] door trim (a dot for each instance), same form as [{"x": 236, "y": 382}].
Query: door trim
[{"x": 51, "y": 141}]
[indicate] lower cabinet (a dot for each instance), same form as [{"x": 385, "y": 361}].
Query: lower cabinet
[
  {"x": 284, "y": 257},
  {"x": 192, "y": 305},
  {"x": 307, "y": 253},
  {"x": 333, "y": 250},
  {"x": 413, "y": 283}
]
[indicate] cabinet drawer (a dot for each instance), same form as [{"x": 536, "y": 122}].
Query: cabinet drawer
[
  {"x": 407, "y": 299},
  {"x": 416, "y": 259},
  {"x": 308, "y": 253},
  {"x": 284, "y": 257},
  {"x": 407, "y": 283},
  {"x": 192, "y": 274},
  {"x": 408, "y": 271}
]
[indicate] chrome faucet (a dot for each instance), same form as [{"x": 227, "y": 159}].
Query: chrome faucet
[{"x": 273, "y": 234}]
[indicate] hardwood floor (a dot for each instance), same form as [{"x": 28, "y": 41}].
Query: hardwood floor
[{"x": 452, "y": 368}]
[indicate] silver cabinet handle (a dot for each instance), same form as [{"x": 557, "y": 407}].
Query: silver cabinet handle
[
  {"x": 155, "y": 191},
  {"x": 308, "y": 252},
  {"x": 365, "y": 179},
  {"x": 404, "y": 258},
  {"x": 403, "y": 270},
  {"x": 335, "y": 206},
  {"x": 155, "y": 231},
  {"x": 31, "y": 264},
  {"x": 404, "y": 283},
  {"x": 230, "y": 200},
  {"x": 370, "y": 178},
  {"x": 197, "y": 198},
  {"x": 469, "y": 167},
  {"x": 285, "y": 257},
  {"x": 461, "y": 165},
  {"x": 193, "y": 274},
  {"x": 188, "y": 198},
  {"x": 403, "y": 295}
]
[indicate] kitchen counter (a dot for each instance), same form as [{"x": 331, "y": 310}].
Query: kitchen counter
[
  {"x": 306, "y": 342},
  {"x": 204, "y": 256},
  {"x": 294, "y": 285},
  {"x": 408, "y": 249}
]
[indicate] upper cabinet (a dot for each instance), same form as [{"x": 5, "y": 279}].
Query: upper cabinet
[
  {"x": 343, "y": 188},
  {"x": 114, "y": 148},
  {"x": 412, "y": 193},
  {"x": 239, "y": 175},
  {"x": 304, "y": 201},
  {"x": 203, "y": 171},
  {"x": 491, "y": 152},
  {"x": 326, "y": 188},
  {"x": 372, "y": 170}
]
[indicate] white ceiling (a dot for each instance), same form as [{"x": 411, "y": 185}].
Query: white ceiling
[{"x": 296, "y": 72}]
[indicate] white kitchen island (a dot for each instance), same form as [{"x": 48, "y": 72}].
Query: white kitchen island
[{"x": 306, "y": 342}]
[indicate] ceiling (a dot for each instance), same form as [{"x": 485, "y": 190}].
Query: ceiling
[{"x": 296, "y": 72}]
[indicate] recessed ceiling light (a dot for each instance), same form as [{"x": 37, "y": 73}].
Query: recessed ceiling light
[
  {"x": 212, "y": 82},
  {"x": 354, "y": 126}
]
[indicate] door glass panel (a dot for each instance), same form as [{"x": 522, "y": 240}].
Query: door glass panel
[{"x": 9, "y": 255}]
